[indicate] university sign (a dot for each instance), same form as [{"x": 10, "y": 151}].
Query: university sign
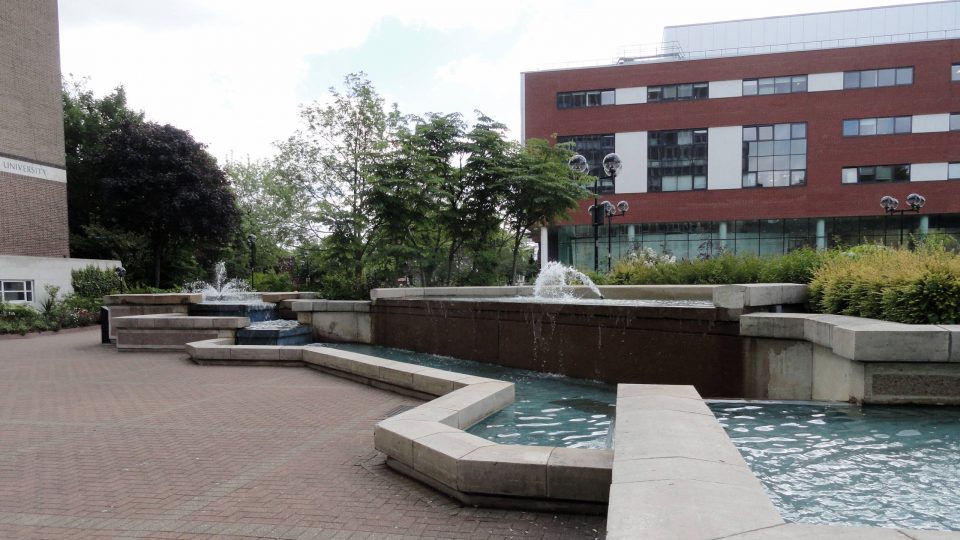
[{"x": 32, "y": 170}]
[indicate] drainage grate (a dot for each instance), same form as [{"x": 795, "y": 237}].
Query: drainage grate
[{"x": 397, "y": 410}]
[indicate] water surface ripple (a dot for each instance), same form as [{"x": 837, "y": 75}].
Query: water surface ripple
[{"x": 878, "y": 466}]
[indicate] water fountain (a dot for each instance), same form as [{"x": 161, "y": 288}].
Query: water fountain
[
  {"x": 555, "y": 281},
  {"x": 229, "y": 297}
]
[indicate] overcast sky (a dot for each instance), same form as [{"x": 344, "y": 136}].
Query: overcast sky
[{"x": 234, "y": 72}]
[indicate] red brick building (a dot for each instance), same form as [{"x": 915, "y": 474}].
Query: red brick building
[
  {"x": 766, "y": 146},
  {"x": 34, "y": 235}
]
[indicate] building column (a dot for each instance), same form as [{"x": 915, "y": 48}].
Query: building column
[
  {"x": 544, "y": 240},
  {"x": 631, "y": 234},
  {"x": 723, "y": 235},
  {"x": 924, "y": 225},
  {"x": 821, "y": 234}
]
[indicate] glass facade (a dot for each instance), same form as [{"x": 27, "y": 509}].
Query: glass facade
[
  {"x": 766, "y": 237},
  {"x": 871, "y": 174},
  {"x": 873, "y": 78},
  {"x": 862, "y": 127},
  {"x": 678, "y": 92},
  {"x": 775, "y": 155},
  {"x": 585, "y": 98},
  {"x": 594, "y": 148},
  {"x": 677, "y": 160},
  {"x": 775, "y": 85}
]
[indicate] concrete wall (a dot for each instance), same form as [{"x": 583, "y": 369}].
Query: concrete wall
[{"x": 47, "y": 271}]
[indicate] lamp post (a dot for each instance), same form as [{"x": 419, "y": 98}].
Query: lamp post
[
  {"x": 891, "y": 206},
  {"x": 252, "y": 244},
  {"x": 611, "y": 166},
  {"x": 612, "y": 212}
]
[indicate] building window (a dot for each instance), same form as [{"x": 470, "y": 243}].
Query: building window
[
  {"x": 775, "y": 155},
  {"x": 594, "y": 148},
  {"x": 775, "y": 85},
  {"x": 873, "y": 78},
  {"x": 586, "y": 98},
  {"x": 16, "y": 291},
  {"x": 955, "y": 122},
  {"x": 955, "y": 73},
  {"x": 888, "y": 125},
  {"x": 953, "y": 171},
  {"x": 675, "y": 92},
  {"x": 872, "y": 174},
  {"x": 677, "y": 160}
]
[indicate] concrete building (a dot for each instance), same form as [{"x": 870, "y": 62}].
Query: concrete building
[
  {"x": 34, "y": 236},
  {"x": 764, "y": 135}
]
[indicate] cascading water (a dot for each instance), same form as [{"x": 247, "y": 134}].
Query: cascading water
[
  {"x": 556, "y": 281},
  {"x": 222, "y": 288}
]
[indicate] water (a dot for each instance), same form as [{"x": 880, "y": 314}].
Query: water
[
  {"x": 273, "y": 324},
  {"x": 581, "y": 301},
  {"x": 555, "y": 280},
  {"x": 550, "y": 410},
  {"x": 222, "y": 288},
  {"x": 879, "y": 466}
]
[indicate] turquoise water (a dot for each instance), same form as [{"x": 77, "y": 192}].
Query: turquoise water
[
  {"x": 550, "y": 410},
  {"x": 879, "y": 466}
]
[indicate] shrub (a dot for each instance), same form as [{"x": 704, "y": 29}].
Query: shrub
[
  {"x": 916, "y": 287},
  {"x": 272, "y": 282},
  {"x": 795, "y": 267},
  {"x": 92, "y": 282}
]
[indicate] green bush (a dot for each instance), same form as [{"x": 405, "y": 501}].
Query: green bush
[
  {"x": 914, "y": 287},
  {"x": 272, "y": 282},
  {"x": 92, "y": 282},
  {"x": 794, "y": 267}
]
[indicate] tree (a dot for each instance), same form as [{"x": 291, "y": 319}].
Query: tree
[
  {"x": 87, "y": 120},
  {"x": 539, "y": 189},
  {"x": 164, "y": 187},
  {"x": 334, "y": 159}
]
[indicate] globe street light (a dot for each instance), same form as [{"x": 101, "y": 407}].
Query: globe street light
[
  {"x": 891, "y": 206},
  {"x": 598, "y": 212}
]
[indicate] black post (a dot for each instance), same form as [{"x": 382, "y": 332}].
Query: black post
[
  {"x": 609, "y": 243},
  {"x": 901, "y": 228},
  {"x": 596, "y": 226}
]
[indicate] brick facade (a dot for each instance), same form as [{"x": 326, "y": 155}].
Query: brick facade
[
  {"x": 828, "y": 151},
  {"x": 33, "y": 213}
]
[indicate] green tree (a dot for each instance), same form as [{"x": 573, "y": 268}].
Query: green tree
[
  {"x": 87, "y": 120},
  {"x": 334, "y": 159},
  {"x": 539, "y": 189},
  {"x": 164, "y": 187}
]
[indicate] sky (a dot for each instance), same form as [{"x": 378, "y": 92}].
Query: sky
[{"x": 234, "y": 73}]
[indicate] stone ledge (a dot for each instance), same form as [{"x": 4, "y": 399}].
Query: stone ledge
[
  {"x": 855, "y": 338},
  {"x": 169, "y": 321},
  {"x": 428, "y": 442},
  {"x": 152, "y": 299},
  {"x": 759, "y": 295},
  {"x": 335, "y": 306}
]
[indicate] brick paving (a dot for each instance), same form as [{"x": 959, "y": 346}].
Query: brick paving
[{"x": 100, "y": 444}]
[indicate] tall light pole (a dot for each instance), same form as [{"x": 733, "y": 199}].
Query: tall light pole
[
  {"x": 611, "y": 166},
  {"x": 252, "y": 243},
  {"x": 891, "y": 205}
]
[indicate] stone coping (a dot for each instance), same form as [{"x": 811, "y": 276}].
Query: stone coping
[
  {"x": 360, "y": 306},
  {"x": 860, "y": 339},
  {"x": 723, "y": 296},
  {"x": 676, "y": 474},
  {"x": 175, "y": 321},
  {"x": 152, "y": 299},
  {"x": 429, "y": 441}
]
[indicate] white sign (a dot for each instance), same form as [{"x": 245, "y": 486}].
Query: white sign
[{"x": 33, "y": 170}]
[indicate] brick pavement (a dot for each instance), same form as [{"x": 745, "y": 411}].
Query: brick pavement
[{"x": 100, "y": 444}]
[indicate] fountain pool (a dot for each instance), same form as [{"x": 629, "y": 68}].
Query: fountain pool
[
  {"x": 820, "y": 463},
  {"x": 550, "y": 410}
]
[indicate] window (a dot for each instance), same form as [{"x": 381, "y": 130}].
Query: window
[
  {"x": 953, "y": 171},
  {"x": 877, "y": 126},
  {"x": 16, "y": 291},
  {"x": 955, "y": 122},
  {"x": 677, "y": 160},
  {"x": 873, "y": 78},
  {"x": 594, "y": 148},
  {"x": 587, "y": 98},
  {"x": 775, "y": 155},
  {"x": 955, "y": 73},
  {"x": 678, "y": 92},
  {"x": 775, "y": 85},
  {"x": 870, "y": 174}
]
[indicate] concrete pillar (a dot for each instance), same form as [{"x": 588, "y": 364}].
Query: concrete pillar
[
  {"x": 821, "y": 234},
  {"x": 723, "y": 235},
  {"x": 924, "y": 225},
  {"x": 544, "y": 235},
  {"x": 631, "y": 234}
]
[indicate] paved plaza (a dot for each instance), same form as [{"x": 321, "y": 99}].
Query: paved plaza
[{"x": 100, "y": 444}]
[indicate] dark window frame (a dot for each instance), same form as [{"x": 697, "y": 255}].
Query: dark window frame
[
  {"x": 771, "y": 151},
  {"x": 580, "y": 99},
  {"x": 682, "y": 153},
  {"x": 697, "y": 90},
  {"x": 877, "y": 174},
  {"x": 870, "y": 78},
  {"x": 849, "y": 123},
  {"x": 772, "y": 82},
  {"x": 594, "y": 147}
]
